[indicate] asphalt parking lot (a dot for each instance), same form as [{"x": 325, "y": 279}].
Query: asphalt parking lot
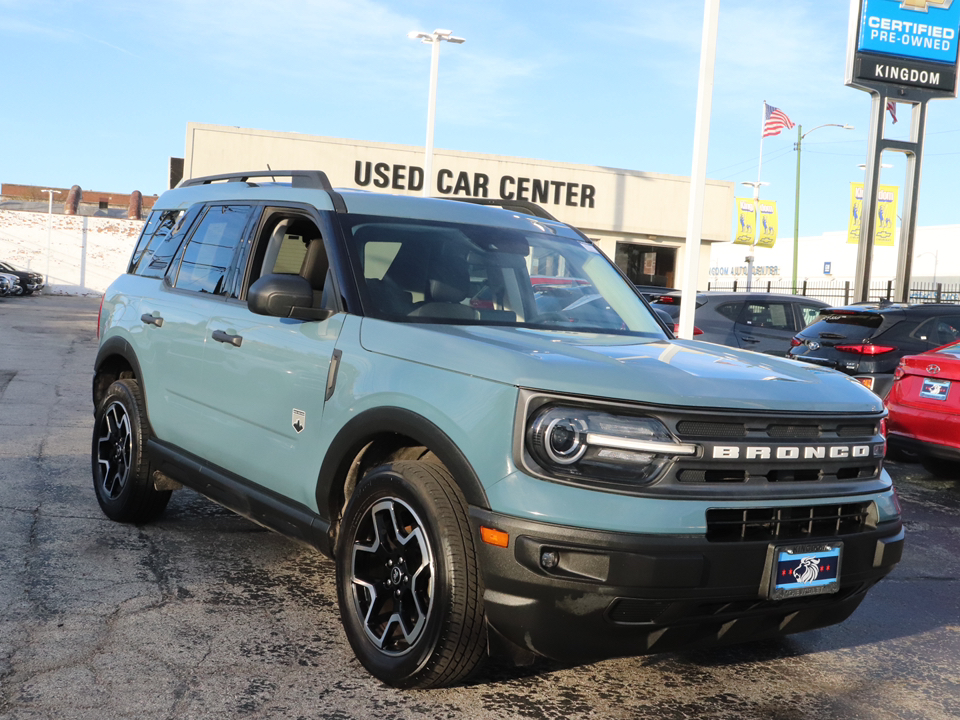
[{"x": 206, "y": 615}]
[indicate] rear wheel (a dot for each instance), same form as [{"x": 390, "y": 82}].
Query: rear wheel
[
  {"x": 121, "y": 474},
  {"x": 408, "y": 581}
]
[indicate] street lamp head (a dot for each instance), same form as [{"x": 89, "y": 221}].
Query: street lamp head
[
  {"x": 847, "y": 127},
  {"x": 436, "y": 36}
]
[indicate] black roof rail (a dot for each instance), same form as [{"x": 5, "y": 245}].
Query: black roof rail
[
  {"x": 524, "y": 206},
  {"x": 312, "y": 179}
]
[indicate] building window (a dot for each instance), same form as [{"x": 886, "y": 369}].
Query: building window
[{"x": 647, "y": 264}]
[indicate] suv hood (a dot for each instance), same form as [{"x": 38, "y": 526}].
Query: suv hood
[{"x": 663, "y": 372}]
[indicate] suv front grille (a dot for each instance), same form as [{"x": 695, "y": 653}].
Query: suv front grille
[
  {"x": 753, "y": 451},
  {"x": 786, "y": 523}
]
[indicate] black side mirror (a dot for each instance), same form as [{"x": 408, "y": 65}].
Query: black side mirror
[{"x": 287, "y": 296}]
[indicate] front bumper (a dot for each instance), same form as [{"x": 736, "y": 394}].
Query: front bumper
[{"x": 619, "y": 594}]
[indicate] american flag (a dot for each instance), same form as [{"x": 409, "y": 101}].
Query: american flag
[
  {"x": 774, "y": 120},
  {"x": 892, "y": 109}
]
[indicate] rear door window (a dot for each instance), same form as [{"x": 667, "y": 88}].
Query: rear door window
[
  {"x": 730, "y": 310},
  {"x": 769, "y": 315},
  {"x": 208, "y": 257}
]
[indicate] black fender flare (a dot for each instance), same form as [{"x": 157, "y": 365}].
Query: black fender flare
[
  {"x": 361, "y": 429},
  {"x": 116, "y": 345}
]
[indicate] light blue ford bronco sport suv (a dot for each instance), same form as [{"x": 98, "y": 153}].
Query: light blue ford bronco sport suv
[{"x": 476, "y": 415}]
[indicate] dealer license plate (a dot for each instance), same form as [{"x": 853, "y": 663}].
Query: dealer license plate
[
  {"x": 801, "y": 570},
  {"x": 935, "y": 389}
]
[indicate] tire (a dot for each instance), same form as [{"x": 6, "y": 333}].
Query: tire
[
  {"x": 121, "y": 473},
  {"x": 938, "y": 467},
  {"x": 408, "y": 581}
]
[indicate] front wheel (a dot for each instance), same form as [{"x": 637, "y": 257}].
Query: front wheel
[
  {"x": 408, "y": 582},
  {"x": 121, "y": 473}
]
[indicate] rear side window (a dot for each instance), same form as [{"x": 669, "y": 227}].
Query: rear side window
[
  {"x": 159, "y": 226},
  {"x": 165, "y": 243},
  {"x": 208, "y": 256},
  {"x": 939, "y": 330},
  {"x": 808, "y": 313}
]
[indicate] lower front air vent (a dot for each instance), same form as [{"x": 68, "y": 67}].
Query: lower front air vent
[{"x": 786, "y": 523}]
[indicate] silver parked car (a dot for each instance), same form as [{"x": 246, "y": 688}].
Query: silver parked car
[
  {"x": 762, "y": 322},
  {"x": 10, "y": 285}
]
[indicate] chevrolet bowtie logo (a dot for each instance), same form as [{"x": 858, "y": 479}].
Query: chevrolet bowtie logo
[{"x": 922, "y": 5}]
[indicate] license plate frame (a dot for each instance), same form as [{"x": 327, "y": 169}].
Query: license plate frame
[
  {"x": 935, "y": 389},
  {"x": 804, "y": 569}
]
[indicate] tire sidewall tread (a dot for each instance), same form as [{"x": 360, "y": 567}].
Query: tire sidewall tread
[{"x": 453, "y": 643}]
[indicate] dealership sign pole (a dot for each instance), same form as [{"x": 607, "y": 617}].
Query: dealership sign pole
[
  {"x": 698, "y": 174},
  {"x": 900, "y": 51}
]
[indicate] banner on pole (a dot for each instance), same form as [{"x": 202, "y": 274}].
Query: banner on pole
[
  {"x": 884, "y": 233},
  {"x": 766, "y": 223},
  {"x": 746, "y": 221}
]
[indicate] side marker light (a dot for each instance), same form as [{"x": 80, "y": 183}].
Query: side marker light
[{"x": 498, "y": 538}]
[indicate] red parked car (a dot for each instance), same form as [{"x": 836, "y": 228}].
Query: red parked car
[{"x": 924, "y": 406}]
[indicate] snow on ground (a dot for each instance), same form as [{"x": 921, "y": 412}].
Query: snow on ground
[{"x": 86, "y": 253}]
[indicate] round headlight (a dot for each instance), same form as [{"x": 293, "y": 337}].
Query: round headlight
[{"x": 561, "y": 438}]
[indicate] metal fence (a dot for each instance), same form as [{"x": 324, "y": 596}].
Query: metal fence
[{"x": 835, "y": 292}]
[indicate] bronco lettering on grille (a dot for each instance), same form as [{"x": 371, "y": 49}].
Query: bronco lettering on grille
[{"x": 812, "y": 452}]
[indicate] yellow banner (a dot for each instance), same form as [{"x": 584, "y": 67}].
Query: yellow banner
[
  {"x": 766, "y": 223},
  {"x": 746, "y": 220},
  {"x": 884, "y": 232}
]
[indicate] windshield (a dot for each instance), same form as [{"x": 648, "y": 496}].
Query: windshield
[{"x": 438, "y": 272}]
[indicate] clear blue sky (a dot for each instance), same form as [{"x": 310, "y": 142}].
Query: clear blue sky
[{"x": 99, "y": 92}]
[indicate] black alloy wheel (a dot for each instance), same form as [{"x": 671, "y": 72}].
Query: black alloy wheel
[
  {"x": 408, "y": 582},
  {"x": 121, "y": 473}
]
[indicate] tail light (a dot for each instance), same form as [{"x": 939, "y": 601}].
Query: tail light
[
  {"x": 696, "y": 330},
  {"x": 865, "y": 349},
  {"x": 883, "y": 432},
  {"x": 899, "y": 372},
  {"x": 795, "y": 342},
  {"x": 667, "y": 300}
]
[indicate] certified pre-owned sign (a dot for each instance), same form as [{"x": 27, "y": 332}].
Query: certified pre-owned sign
[{"x": 907, "y": 42}]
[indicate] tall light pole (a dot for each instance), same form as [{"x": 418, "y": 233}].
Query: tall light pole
[
  {"x": 434, "y": 39},
  {"x": 50, "y": 194},
  {"x": 796, "y": 207}
]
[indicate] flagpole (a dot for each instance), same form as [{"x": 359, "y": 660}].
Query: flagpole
[
  {"x": 756, "y": 199},
  {"x": 763, "y": 124}
]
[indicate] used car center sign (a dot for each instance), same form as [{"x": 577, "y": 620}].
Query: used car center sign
[{"x": 907, "y": 42}]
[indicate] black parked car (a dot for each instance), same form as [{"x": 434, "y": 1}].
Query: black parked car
[
  {"x": 762, "y": 322},
  {"x": 31, "y": 282},
  {"x": 868, "y": 340}
]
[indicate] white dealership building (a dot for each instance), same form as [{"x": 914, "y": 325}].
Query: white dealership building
[{"x": 637, "y": 218}]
